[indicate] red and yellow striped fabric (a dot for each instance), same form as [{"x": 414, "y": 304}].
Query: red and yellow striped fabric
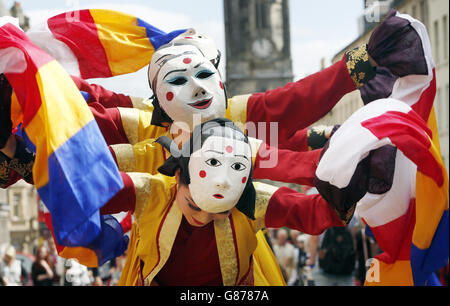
[
  {"x": 98, "y": 43},
  {"x": 74, "y": 173}
]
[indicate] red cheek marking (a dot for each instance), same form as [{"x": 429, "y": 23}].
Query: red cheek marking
[
  {"x": 187, "y": 60},
  {"x": 229, "y": 149},
  {"x": 169, "y": 96},
  {"x": 244, "y": 179},
  {"x": 202, "y": 173},
  {"x": 188, "y": 37},
  {"x": 221, "y": 85}
]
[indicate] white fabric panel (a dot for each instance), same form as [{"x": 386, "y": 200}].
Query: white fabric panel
[
  {"x": 379, "y": 209},
  {"x": 12, "y": 60},
  {"x": 42, "y": 37},
  {"x": 351, "y": 143}
]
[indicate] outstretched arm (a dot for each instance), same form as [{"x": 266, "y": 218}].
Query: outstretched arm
[
  {"x": 286, "y": 165},
  {"x": 310, "y": 214},
  {"x": 107, "y": 98}
]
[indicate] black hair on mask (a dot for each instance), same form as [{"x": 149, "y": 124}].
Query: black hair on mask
[{"x": 180, "y": 158}]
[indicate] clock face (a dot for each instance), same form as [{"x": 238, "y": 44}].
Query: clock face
[{"x": 262, "y": 48}]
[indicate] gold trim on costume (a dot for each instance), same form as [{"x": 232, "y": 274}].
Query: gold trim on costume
[
  {"x": 142, "y": 184},
  {"x": 126, "y": 160},
  {"x": 4, "y": 171},
  {"x": 141, "y": 103},
  {"x": 237, "y": 110},
  {"x": 254, "y": 145},
  {"x": 264, "y": 193},
  {"x": 226, "y": 251},
  {"x": 166, "y": 239},
  {"x": 355, "y": 58},
  {"x": 130, "y": 123}
]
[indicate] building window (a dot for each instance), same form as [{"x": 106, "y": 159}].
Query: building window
[
  {"x": 423, "y": 12},
  {"x": 261, "y": 14},
  {"x": 445, "y": 33},
  {"x": 436, "y": 41},
  {"x": 16, "y": 199}
]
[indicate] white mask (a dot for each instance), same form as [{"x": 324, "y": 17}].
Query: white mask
[
  {"x": 188, "y": 85},
  {"x": 205, "y": 44},
  {"x": 218, "y": 173}
]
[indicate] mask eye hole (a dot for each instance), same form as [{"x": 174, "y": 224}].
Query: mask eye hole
[
  {"x": 204, "y": 74},
  {"x": 213, "y": 162},
  {"x": 177, "y": 81},
  {"x": 238, "y": 166}
]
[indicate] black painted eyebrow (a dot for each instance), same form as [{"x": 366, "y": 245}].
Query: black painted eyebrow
[
  {"x": 198, "y": 64},
  {"x": 218, "y": 152},
  {"x": 242, "y": 156},
  {"x": 178, "y": 70}
]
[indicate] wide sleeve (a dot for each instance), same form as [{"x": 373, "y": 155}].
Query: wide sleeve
[
  {"x": 145, "y": 156},
  {"x": 299, "y": 104},
  {"x": 124, "y": 124},
  {"x": 20, "y": 166},
  {"x": 286, "y": 165},
  {"x": 96, "y": 93},
  {"x": 310, "y": 214},
  {"x": 126, "y": 199}
]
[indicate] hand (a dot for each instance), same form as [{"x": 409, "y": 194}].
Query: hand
[{"x": 9, "y": 148}]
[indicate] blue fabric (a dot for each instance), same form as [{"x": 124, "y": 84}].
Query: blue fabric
[
  {"x": 21, "y": 133},
  {"x": 156, "y": 36},
  {"x": 85, "y": 95},
  {"x": 81, "y": 180},
  {"x": 425, "y": 261},
  {"x": 111, "y": 242}
]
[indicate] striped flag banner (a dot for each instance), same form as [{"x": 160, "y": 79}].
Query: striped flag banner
[
  {"x": 74, "y": 172},
  {"x": 98, "y": 43},
  {"x": 410, "y": 221}
]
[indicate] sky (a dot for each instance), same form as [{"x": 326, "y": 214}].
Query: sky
[{"x": 319, "y": 29}]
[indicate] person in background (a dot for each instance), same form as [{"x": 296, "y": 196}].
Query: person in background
[
  {"x": 42, "y": 271},
  {"x": 285, "y": 254},
  {"x": 75, "y": 274},
  {"x": 303, "y": 271},
  {"x": 10, "y": 268}
]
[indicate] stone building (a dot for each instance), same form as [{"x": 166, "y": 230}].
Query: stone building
[
  {"x": 257, "y": 45},
  {"x": 16, "y": 11},
  {"x": 434, "y": 15}
]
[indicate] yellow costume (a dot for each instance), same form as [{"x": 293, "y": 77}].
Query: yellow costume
[{"x": 156, "y": 225}]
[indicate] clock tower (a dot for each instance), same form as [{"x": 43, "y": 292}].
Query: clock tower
[{"x": 257, "y": 45}]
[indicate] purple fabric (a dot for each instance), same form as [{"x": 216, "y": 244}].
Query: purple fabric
[
  {"x": 344, "y": 200},
  {"x": 396, "y": 44},
  {"x": 379, "y": 87},
  {"x": 382, "y": 166},
  {"x": 373, "y": 174}
]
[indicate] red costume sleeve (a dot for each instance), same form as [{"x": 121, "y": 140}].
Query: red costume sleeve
[
  {"x": 101, "y": 95},
  {"x": 299, "y": 104},
  {"x": 124, "y": 200},
  {"x": 309, "y": 214},
  {"x": 286, "y": 165},
  {"x": 297, "y": 142},
  {"x": 110, "y": 123}
]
